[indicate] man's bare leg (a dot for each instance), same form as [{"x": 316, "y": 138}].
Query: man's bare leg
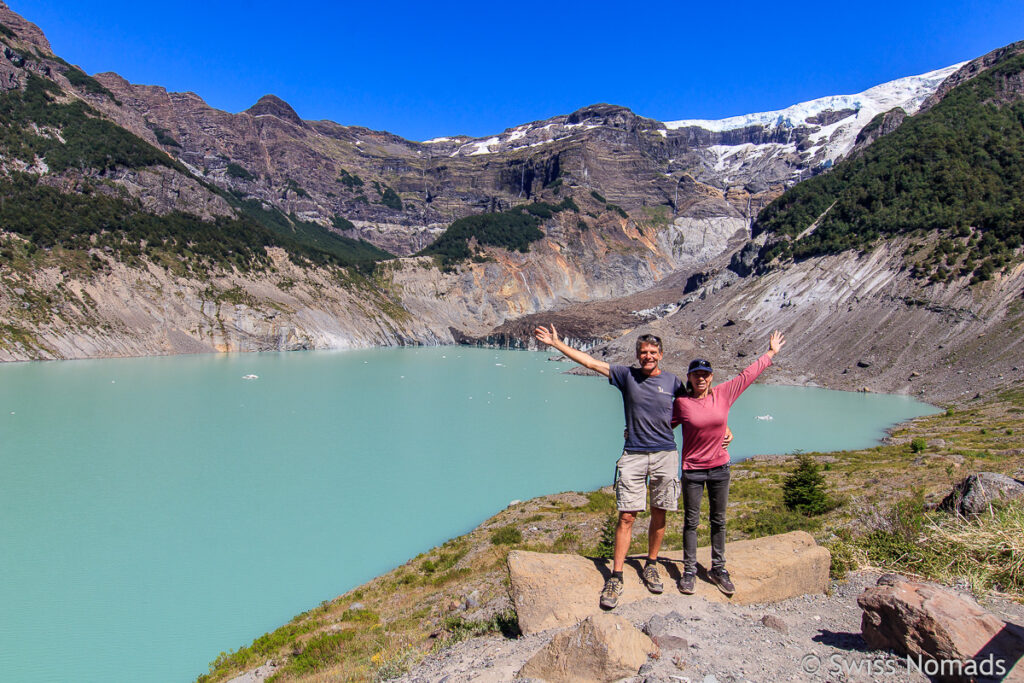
[
  {"x": 623, "y": 536},
  {"x": 655, "y": 533}
]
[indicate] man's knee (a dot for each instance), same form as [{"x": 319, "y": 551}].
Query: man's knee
[{"x": 626, "y": 518}]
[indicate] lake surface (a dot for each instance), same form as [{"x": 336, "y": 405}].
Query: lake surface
[{"x": 156, "y": 511}]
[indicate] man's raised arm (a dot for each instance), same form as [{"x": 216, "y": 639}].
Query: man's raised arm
[{"x": 550, "y": 337}]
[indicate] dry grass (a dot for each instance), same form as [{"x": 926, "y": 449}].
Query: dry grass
[{"x": 986, "y": 552}]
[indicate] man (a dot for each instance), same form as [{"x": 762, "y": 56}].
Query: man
[{"x": 648, "y": 453}]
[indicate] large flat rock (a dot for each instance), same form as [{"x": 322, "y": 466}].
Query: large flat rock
[{"x": 551, "y": 591}]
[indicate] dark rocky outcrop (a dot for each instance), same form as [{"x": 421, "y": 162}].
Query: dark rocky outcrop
[
  {"x": 882, "y": 125},
  {"x": 978, "y": 492}
]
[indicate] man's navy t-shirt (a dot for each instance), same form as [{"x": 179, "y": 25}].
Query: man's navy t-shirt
[{"x": 648, "y": 405}]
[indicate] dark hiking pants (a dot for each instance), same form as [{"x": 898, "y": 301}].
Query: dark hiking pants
[{"x": 717, "y": 481}]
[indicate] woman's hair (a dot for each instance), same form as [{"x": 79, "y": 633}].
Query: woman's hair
[{"x": 688, "y": 388}]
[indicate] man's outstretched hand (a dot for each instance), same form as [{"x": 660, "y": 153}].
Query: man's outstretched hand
[{"x": 546, "y": 336}]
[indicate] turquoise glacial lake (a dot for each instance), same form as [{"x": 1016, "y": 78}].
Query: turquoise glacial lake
[{"x": 156, "y": 511}]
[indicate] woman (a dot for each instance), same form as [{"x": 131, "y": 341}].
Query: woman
[{"x": 703, "y": 413}]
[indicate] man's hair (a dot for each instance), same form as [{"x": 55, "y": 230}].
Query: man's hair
[{"x": 648, "y": 339}]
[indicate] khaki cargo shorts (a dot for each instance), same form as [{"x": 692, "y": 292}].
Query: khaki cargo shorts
[{"x": 634, "y": 472}]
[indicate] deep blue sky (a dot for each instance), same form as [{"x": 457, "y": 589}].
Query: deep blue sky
[{"x": 426, "y": 69}]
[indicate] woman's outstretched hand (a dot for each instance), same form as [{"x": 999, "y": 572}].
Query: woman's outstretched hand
[
  {"x": 776, "y": 342},
  {"x": 546, "y": 336}
]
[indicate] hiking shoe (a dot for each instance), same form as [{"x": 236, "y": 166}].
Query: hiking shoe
[
  {"x": 610, "y": 594},
  {"x": 651, "y": 578},
  {"x": 687, "y": 583},
  {"x": 720, "y": 578}
]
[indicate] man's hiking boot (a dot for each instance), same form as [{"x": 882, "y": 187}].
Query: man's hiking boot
[
  {"x": 651, "y": 578},
  {"x": 720, "y": 578},
  {"x": 687, "y": 583},
  {"x": 610, "y": 594}
]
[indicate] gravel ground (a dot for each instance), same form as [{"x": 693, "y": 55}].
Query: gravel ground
[{"x": 811, "y": 638}]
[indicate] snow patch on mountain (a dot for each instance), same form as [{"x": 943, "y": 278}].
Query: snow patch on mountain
[
  {"x": 820, "y": 146},
  {"x": 908, "y": 93}
]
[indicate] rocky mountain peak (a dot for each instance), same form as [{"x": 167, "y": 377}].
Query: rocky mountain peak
[
  {"x": 274, "y": 106},
  {"x": 602, "y": 114},
  {"x": 23, "y": 29}
]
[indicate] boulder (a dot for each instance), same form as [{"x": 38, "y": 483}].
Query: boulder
[
  {"x": 776, "y": 623},
  {"x": 666, "y": 632},
  {"x": 551, "y": 590},
  {"x": 931, "y": 623},
  {"x": 602, "y": 648},
  {"x": 976, "y": 493}
]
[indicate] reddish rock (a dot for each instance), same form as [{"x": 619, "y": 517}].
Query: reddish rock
[{"x": 931, "y": 623}]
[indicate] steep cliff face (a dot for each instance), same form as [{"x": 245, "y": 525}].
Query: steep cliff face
[{"x": 56, "y": 308}]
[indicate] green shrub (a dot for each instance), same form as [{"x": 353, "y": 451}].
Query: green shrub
[
  {"x": 918, "y": 444},
  {"x": 342, "y": 223},
  {"x": 567, "y": 541},
  {"x": 79, "y": 79},
  {"x": 600, "y": 501},
  {"x": 320, "y": 653},
  {"x": 238, "y": 171},
  {"x": 360, "y": 616},
  {"x": 803, "y": 490},
  {"x": 844, "y": 558},
  {"x": 505, "y": 623},
  {"x": 390, "y": 199},
  {"x": 606, "y": 544},
  {"x": 617, "y": 209},
  {"x": 597, "y": 195},
  {"x": 291, "y": 185},
  {"x": 445, "y": 560},
  {"x": 351, "y": 180},
  {"x": 507, "y": 535},
  {"x": 775, "y": 520},
  {"x": 163, "y": 136}
]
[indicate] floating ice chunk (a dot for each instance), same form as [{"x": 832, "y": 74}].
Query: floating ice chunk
[
  {"x": 765, "y": 418},
  {"x": 250, "y": 376}
]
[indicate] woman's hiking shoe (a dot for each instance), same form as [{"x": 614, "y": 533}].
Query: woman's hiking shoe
[
  {"x": 687, "y": 583},
  {"x": 610, "y": 594},
  {"x": 651, "y": 578},
  {"x": 720, "y": 577}
]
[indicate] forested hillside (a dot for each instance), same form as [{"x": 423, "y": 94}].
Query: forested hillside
[
  {"x": 64, "y": 185},
  {"x": 954, "y": 172}
]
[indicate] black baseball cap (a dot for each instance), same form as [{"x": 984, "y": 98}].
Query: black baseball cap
[{"x": 699, "y": 364}]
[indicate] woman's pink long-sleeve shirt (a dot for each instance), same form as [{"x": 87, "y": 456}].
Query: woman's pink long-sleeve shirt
[{"x": 704, "y": 419}]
